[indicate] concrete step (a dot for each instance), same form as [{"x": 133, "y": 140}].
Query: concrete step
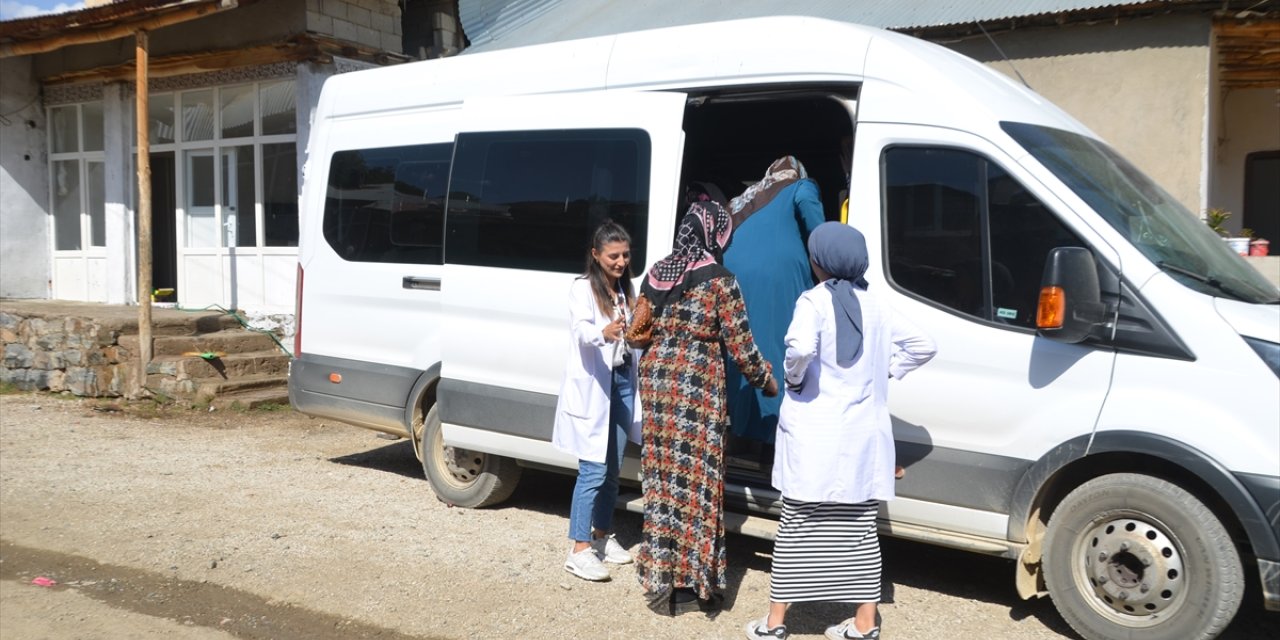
[
  {"x": 210, "y": 389},
  {"x": 200, "y": 390},
  {"x": 252, "y": 399},
  {"x": 176, "y": 324},
  {"x": 229, "y": 341},
  {"x": 227, "y": 367}
]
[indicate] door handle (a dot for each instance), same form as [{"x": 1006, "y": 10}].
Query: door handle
[{"x": 420, "y": 283}]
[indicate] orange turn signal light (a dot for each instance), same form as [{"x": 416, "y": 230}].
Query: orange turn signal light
[
  {"x": 335, "y": 378},
  {"x": 1052, "y": 309}
]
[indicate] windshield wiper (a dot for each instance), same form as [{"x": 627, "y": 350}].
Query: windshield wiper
[{"x": 1200, "y": 277}]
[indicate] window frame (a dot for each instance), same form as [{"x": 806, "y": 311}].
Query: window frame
[
  {"x": 984, "y": 231},
  {"x": 218, "y": 146},
  {"x": 414, "y": 152},
  {"x": 639, "y": 205},
  {"x": 83, "y": 159}
]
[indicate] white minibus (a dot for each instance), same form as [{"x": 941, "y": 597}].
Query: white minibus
[{"x": 1083, "y": 415}]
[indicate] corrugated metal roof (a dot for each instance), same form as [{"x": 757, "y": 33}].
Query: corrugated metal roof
[
  {"x": 499, "y": 24},
  {"x": 51, "y": 25}
]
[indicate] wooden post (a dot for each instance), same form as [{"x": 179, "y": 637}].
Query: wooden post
[{"x": 144, "y": 209}]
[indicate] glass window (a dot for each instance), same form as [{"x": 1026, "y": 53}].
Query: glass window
[
  {"x": 387, "y": 205},
  {"x": 95, "y": 178},
  {"x": 279, "y": 107},
  {"x": 91, "y": 115},
  {"x": 201, "y": 218},
  {"x": 1171, "y": 237},
  {"x": 160, "y": 118},
  {"x": 932, "y": 202},
  {"x": 197, "y": 115},
  {"x": 237, "y": 111},
  {"x": 66, "y": 205},
  {"x": 280, "y": 195},
  {"x": 1022, "y": 232},
  {"x": 64, "y": 129},
  {"x": 965, "y": 235},
  {"x": 238, "y": 219},
  {"x": 530, "y": 200}
]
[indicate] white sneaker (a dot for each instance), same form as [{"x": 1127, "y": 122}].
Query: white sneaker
[
  {"x": 759, "y": 628},
  {"x": 846, "y": 631},
  {"x": 608, "y": 550},
  {"x": 586, "y": 565}
]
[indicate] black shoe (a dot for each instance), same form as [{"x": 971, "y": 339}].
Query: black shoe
[
  {"x": 712, "y": 604},
  {"x": 685, "y": 600}
]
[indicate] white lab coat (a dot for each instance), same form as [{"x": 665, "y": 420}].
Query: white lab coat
[
  {"x": 835, "y": 439},
  {"x": 582, "y": 410}
]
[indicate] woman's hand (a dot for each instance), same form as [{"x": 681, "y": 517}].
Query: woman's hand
[
  {"x": 770, "y": 387},
  {"x": 613, "y": 331}
]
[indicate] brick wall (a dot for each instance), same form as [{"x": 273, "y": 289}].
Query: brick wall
[{"x": 373, "y": 23}]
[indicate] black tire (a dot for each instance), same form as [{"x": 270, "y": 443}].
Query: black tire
[
  {"x": 1132, "y": 556},
  {"x": 464, "y": 478}
]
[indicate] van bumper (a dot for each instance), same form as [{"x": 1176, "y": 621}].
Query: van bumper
[
  {"x": 1265, "y": 490},
  {"x": 1269, "y": 572}
]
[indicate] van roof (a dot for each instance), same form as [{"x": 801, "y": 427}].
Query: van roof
[{"x": 903, "y": 79}]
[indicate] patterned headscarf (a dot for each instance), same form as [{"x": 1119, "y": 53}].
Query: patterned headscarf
[
  {"x": 700, "y": 242},
  {"x": 841, "y": 251},
  {"x": 782, "y": 172}
]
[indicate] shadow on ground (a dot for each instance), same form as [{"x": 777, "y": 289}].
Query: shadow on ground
[
  {"x": 955, "y": 573},
  {"x": 239, "y": 613}
]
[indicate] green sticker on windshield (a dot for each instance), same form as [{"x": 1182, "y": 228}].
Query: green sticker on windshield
[{"x": 1011, "y": 314}]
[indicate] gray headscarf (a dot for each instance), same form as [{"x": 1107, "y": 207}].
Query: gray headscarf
[{"x": 841, "y": 251}]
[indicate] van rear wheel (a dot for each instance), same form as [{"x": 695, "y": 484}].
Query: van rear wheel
[
  {"x": 1132, "y": 556},
  {"x": 461, "y": 477}
]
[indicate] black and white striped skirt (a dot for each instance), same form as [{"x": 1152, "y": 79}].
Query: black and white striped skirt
[{"x": 826, "y": 551}]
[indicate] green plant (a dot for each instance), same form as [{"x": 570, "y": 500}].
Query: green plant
[
  {"x": 1217, "y": 219},
  {"x": 268, "y": 407},
  {"x": 1245, "y": 233}
]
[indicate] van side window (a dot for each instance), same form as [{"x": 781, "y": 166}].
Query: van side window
[
  {"x": 964, "y": 234},
  {"x": 387, "y": 204},
  {"x": 530, "y": 199}
]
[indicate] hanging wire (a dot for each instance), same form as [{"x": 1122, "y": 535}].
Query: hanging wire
[{"x": 1002, "y": 55}]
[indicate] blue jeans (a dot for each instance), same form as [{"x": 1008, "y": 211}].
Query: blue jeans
[{"x": 596, "y": 493}]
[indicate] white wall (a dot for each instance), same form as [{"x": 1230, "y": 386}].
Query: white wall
[
  {"x": 1142, "y": 85},
  {"x": 1244, "y": 121},
  {"x": 24, "y": 185}
]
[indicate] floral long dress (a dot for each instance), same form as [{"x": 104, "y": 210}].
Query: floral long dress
[{"x": 682, "y": 389}]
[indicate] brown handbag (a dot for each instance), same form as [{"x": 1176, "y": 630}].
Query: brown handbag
[{"x": 640, "y": 333}]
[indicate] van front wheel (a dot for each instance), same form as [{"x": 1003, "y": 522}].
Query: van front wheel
[
  {"x": 1132, "y": 556},
  {"x": 461, "y": 477}
]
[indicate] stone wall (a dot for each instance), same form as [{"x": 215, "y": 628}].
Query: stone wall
[{"x": 78, "y": 355}]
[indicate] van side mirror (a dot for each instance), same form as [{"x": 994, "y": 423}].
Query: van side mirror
[{"x": 1070, "y": 301}]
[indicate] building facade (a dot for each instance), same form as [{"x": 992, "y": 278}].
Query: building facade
[{"x": 226, "y": 120}]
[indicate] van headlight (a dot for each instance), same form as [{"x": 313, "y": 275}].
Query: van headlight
[{"x": 1268, "y": 351}]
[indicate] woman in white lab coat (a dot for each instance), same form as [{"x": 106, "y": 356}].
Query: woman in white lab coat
[
  {"x": 597, "y": 413},
  {"x": 834, "y": 460}
]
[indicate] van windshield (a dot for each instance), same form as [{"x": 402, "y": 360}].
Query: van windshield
[{"x": 1161, "y": 228}]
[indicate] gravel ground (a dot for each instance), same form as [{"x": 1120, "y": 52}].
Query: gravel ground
[{"x": 184, "y": 524}]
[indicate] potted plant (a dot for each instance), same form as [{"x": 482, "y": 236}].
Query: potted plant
[{"x": 1216, "y": 219}]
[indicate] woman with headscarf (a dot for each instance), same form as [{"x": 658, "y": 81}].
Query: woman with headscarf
[
  {"x": 772, "y": 221},
  {"x": 834, "y": 460},
  {"x": 698, "y": 316}
]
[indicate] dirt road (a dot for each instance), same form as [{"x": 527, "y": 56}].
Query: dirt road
[{"x": 190, "y": 525}]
